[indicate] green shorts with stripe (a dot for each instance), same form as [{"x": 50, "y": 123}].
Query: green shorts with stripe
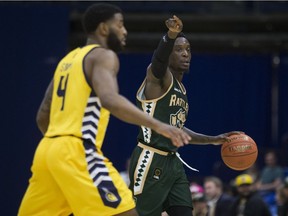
[{"x": 158, "y": 181}]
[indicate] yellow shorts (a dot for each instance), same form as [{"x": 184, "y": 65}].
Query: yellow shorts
[{"x": 68, "y": 175}]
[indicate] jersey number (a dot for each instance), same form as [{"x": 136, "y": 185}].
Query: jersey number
[{"x": 62, "y": 89}]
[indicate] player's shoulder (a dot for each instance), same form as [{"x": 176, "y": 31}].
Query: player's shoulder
[
  {"x": 102, "y": 57},
  {"x": 101, "y": 53}
]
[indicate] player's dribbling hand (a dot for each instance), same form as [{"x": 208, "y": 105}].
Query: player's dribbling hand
[
  {"x": 222, "y": 138},
  {"x": 178, "y": 137},
  {"x": 174, "y": 24}
]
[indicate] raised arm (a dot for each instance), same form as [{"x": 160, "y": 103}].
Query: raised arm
[
  {"x": 43, "y": 113},
  {"x": 161, "y": 55},
  {"x": 158, "y": 79},
  {"x": 102, "y": 67}
]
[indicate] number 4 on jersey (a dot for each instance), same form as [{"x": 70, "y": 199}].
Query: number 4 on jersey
[{"x": 62, "y": 89}]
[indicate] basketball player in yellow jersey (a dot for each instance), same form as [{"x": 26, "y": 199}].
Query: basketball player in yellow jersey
[{"x": 69, "y": 172}]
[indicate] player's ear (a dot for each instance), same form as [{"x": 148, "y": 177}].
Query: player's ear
[{"x": 104, "y": 28}]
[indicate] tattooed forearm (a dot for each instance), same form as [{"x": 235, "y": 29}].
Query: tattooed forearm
[
  {"x": 46, "y": 103},
  {"x": 44, "y": 110}
]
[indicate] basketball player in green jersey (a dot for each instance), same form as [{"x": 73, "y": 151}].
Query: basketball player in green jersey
[
  {"x": 69, "y": 172},
  {"x": 158, "y": 179}
]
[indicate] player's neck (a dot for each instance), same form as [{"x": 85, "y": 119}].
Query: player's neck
[
  {"x": 177, "y": 74},
  {"x": 95, "y": 40}
]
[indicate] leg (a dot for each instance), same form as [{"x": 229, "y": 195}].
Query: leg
[
  {"x": 179, "y": 201},
  {"x": 43, "y": 196},
  {"x": 132, "y": 212},
  {"x": 91, "y": 185},
  {"x": 179, "y": 210},
  {"x": 152, "y": 177}
]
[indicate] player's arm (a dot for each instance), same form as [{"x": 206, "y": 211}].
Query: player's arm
[
  {"x": 158, "y": 77},
  {"x": 43, "y": 113},
  {"x": 161, "y": 55},
  {"x": 102, "y": 66},
  {"x": 198, "y": 138}
]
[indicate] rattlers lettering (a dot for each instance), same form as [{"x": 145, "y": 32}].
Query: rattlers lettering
[{"x": 178, "y": 101}]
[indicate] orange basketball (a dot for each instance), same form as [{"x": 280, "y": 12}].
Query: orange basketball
[{"x": 240, "y": 153}]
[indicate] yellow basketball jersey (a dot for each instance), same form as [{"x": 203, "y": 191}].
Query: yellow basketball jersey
[{"x": 75, "y": 109}]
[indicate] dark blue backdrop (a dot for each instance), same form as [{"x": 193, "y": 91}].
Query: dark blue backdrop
[
  {"x": 32, "y": 41},
  {"x": 226, "y": 92}
]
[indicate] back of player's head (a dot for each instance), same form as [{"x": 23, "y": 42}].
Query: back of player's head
[
  {"x": 97, "y": 13},
  {"x": 181, "y": 34}
]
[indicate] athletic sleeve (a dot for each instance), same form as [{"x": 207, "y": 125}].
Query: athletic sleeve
[{"x": 161, "y": 55}]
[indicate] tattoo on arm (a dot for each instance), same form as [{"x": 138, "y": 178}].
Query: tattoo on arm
[
  {"x": 43, "y": 114},
  {"x": 47, "y": 103}
]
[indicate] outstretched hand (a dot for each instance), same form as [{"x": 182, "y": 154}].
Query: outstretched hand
[
  {"x": 222, "y": 138},
  {"x": 178, "y": 137},
  {"x": 174, "y": 24}
]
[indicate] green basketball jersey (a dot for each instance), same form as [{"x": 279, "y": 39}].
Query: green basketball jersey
[{"x": 171, "y": 108}]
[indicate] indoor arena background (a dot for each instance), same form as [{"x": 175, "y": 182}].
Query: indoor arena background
[{"x": 238, "y": 77}]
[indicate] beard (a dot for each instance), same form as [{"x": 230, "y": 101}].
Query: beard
[{"x": 114, "y": 43}]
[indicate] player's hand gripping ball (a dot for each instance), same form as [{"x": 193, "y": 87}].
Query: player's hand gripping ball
[{"x": 240, "y": 153}]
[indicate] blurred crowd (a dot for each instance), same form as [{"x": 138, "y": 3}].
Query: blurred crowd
[{"x": 252, "y": 193}]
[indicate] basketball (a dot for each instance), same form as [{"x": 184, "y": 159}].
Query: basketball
[{"x": 240, "y": 153}]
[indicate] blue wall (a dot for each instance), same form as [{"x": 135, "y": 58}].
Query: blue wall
[
  {"x": 226, "y": 92},
  {"x": 32, "y": 39}
]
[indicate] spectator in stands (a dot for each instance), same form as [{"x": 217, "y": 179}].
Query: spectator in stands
[
  {"x": 248, "y": 202},
  {"x": 195, "y": 188},
  {"x": 282, "y": 199},
  {"x": 200, "y": 207},
  {"x": 286, "y": 186},
  {"x": 253, "y": 171},
  {"x": 217, "y": 201},
  {"x": 271, "y": 177}
]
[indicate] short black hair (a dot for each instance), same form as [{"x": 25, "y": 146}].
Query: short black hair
[
  {"x": 181, "y": 34},
  {"x": 97, "y": 13}
]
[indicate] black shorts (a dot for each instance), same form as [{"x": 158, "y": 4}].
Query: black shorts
[{"x": 158, "y": 181}]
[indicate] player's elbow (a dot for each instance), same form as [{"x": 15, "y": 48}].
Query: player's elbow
[
  {"x": 114, "y": 102},
  {"x": 108, "y": 101}
]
